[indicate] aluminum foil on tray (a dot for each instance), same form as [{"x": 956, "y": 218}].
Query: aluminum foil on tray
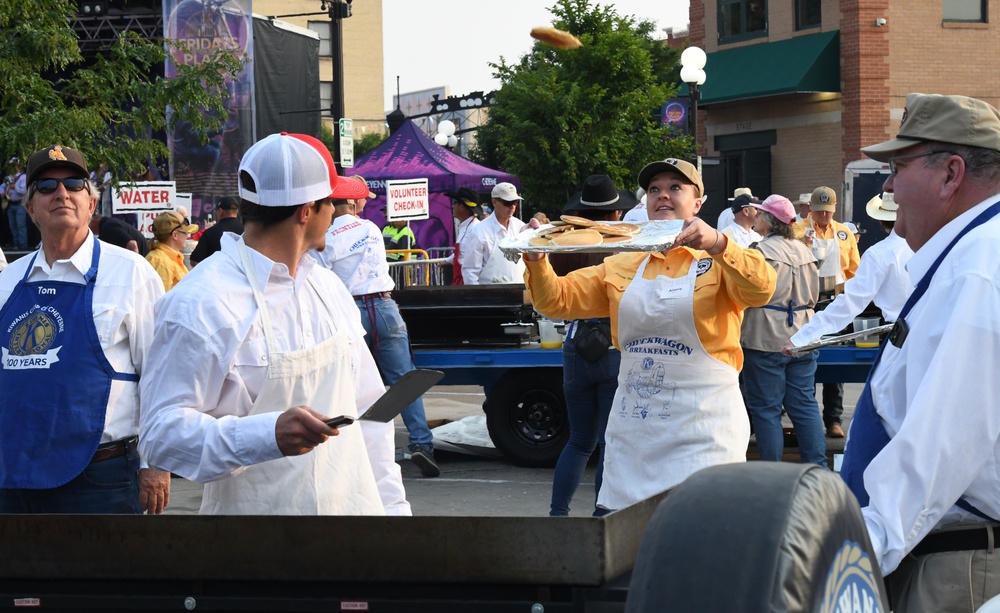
[{"x": 597, "y": 237}]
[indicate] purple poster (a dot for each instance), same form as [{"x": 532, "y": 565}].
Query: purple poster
[{"x": 207, "y": 169}]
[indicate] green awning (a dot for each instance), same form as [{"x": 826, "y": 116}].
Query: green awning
[{"x": 798, "y": 65}]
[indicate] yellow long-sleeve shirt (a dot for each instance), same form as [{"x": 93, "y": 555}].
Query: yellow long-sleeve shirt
[
  {"x": 168, "y": 263},
  {"x": 850, "y": 257},
  {"x": 738, "y": 278}
]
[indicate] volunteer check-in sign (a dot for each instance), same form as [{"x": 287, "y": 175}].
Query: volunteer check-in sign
[{"x": 406, "y": 199}]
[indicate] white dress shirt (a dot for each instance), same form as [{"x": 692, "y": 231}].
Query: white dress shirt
[
  {"x": 726, "y": 218},
  {"x": 460, "y": 232},
  {"x": 637, "y": 213},
  {"x": 124, "y": 294},
  {"x": 3, "y": 260},
  {"x": 210, "y": 357},
  {"x": 356, "y": 253},
  {"x": 938, "y": 397},
  {"x": 881, "y": 278},
  {"x": 744, "y": 237},
  {"x": 478, "y": 245}
]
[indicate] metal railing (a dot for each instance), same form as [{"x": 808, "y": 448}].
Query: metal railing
[{"x": 415, "y": 268}]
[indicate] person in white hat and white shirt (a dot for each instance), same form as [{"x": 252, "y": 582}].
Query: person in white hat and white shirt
[
  {"x": 482, "y": 261},
  {"x": 881, "y": 278},
  {"x": 259, "y": 346},
  {"x": 727, "y": 215},
  {"x": 803, "y": 205}
]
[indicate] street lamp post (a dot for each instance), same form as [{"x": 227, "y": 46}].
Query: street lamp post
[
  {"x": 338, "y": 10},
  {"x": 693, "y": 73}
]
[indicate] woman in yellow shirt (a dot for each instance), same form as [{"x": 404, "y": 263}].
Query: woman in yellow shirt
[
  {"x": 171, "y": 230},
  {"x": 675, "y": 316}
]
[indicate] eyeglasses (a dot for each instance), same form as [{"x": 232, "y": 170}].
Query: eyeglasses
[
  {"x": 892, "y": 161},
  {"x": 48, "y": 186}
]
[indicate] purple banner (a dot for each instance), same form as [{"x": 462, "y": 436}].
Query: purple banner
[{"x": 208, "y": 170}]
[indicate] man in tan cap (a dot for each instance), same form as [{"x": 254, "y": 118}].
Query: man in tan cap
[
  {"x": 171, "y": 230},
  {"x": 836, "y": 250},
  {"x": 881, "y": 278},
  {"x": 923, "y": 456}
]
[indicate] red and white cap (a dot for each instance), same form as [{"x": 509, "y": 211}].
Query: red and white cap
[{"x": 292, "y": 169}]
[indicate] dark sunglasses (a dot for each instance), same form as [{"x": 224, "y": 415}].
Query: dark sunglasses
[{"x": 72, "y": 184}]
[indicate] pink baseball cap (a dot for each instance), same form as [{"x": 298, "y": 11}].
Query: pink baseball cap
[
  {"x": 779, "y": 206},
  {"x": 292, "y": 169}
]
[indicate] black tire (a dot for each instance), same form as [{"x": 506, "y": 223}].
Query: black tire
[{"x": 526, "y": 416}]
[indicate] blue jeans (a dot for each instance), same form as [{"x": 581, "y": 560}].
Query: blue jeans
[
  {"x": 111, "y": 486},
  {"x": 390, "y": 346},
  {"x": 17, "y": 219},
  {"x": 772, "y": 380},
  {"x": 590, "y": 392}
]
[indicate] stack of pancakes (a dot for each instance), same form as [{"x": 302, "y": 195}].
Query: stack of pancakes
[{"x": 573, "y": 231}]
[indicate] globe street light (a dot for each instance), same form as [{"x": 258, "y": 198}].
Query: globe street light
[{"x": 693, "y": 73}]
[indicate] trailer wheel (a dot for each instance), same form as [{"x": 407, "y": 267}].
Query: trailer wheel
[{"x": 526, "y": 416}]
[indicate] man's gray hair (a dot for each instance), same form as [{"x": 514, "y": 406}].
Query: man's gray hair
[{"x": 982, "y": 165}]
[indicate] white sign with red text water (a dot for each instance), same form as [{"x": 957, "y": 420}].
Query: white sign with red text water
[
  {"x": 144, "y": 196},
  {"x": 406, "y": 199}
]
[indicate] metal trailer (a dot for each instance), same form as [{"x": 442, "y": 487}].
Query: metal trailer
[
  {"x": 281, "y": 563},
  {"x": 525, "y": 408}
]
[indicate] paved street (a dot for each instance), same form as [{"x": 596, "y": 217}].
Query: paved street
[{"x": 476, "y": 485}]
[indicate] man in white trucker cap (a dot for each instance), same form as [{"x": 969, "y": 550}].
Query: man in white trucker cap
[{"x": 259, "y": 346}]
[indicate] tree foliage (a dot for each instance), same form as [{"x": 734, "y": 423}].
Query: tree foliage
[
  {"x": 107, "y": 107},
  {"x": 561, "y": 115}
]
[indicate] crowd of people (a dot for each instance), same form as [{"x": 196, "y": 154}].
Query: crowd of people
[{"x": 120, "y": 369}]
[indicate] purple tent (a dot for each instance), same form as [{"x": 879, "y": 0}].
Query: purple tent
[{"x": 410, "y": 154}]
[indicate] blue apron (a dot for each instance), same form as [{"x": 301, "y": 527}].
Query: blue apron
[
  {"x": 56, "y": 381},
  {"x": 867, "y": 434}
]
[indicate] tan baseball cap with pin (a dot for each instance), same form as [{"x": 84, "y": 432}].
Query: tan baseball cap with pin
[{"x": 958, "y": 120}]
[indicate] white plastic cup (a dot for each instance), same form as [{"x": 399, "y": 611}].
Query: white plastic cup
[
  {"x": 866, "y": 323},
  {"x": 550, "y": 337}
]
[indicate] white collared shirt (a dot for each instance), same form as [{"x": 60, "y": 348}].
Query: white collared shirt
[
  {"x": 460, "y": 232},
  {"x": 744, "y": 237},
  {"x": 124, "y": 294},
  {"x": 881, "y": 278},
  {"x": 356, "y": 253},
  {"x": 938, "y": 397},
  {"x": 725, "y": 220},
  {"x": 478, "y": 244},
  {"x": 211, "y": 360}
]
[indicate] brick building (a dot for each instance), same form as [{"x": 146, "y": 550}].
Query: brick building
[{"x": 796, "y": 87}]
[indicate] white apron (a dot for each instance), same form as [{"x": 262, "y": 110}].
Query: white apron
[
  {"x": 498, "y": 269},
  {"x": 677, "y": 409},
  {"x": 829, "y": 263},
  {"x": 336, "y": 477}
]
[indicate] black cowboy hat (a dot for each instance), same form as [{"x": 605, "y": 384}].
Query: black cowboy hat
[
  {"x": 464, "y": 195},
  {"x": 600, "y": 194}
]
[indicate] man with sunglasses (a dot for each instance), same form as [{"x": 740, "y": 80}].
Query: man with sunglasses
[
  {"x": 923, "y": 451},
  {"x": 76, "y": 321},
  {"x": 482, "y": 261}
]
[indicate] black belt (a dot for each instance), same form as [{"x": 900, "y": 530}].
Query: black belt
[
  {"x": 957, "y": 540},
  {"x": 374, "y": 295},
  {"x": 115, "y": 449}
]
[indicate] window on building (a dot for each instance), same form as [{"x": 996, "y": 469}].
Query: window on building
[
  {"x": 742, "y": 19},
  {"x": 808, "y": 14},
  {"x": 964, "y": 10},
  {"x": 325, "y": 94},
  {"x": 323, "y": 29}
]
